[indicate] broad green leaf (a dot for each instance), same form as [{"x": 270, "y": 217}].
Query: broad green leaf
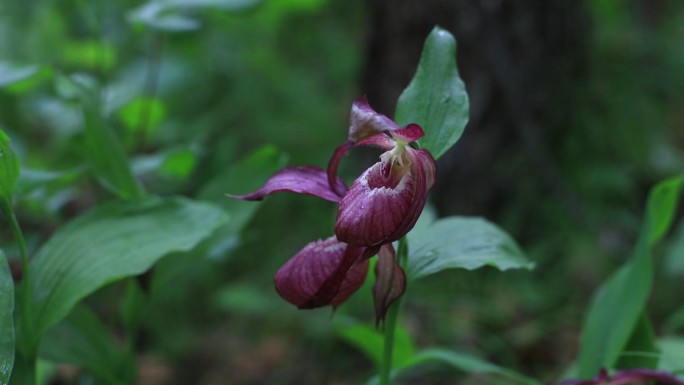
[
  {"x": 436, "y": 98},
  {"x": 81, "y": 339},
  {"x": 241, "y": 177},
  {"x": 9, "y": 172},
  {"x": 461, "y": 242},
  {"x": 459, "y": 361},
  {"x": 6, "y": 321},
  {"x": 620, "y": 301},
  {"x": 104, "y": 150},
  {"x": 112, "y": 242},
  {"x": 371, "y": 341}
]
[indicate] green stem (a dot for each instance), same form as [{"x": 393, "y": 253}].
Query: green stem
[
  {"x": 391, "y": 321},
  {"x": 25, "y": 298}
]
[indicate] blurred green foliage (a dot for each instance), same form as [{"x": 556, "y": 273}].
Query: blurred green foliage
[{"x": 196, "y": 89}]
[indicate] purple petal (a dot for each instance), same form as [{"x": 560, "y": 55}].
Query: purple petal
[
  {"x": 390, "y": 282},
  {"x": 428, "y": 164},
  {"x": 334, "y": 162},
  {"x": 409, "y": 134},
  {"x": 322, "y": 273},
  {"x": 378, "y": 140},
  {"x": 302, "y": 180},
  {"x": 423, "y": 169},
  {"x": 364, "y": 121},
  {"x": 375, "y": 207}
]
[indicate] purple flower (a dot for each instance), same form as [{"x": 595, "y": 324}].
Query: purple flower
[{"x": 381, "y": 206}]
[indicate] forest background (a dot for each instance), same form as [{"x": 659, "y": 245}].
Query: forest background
[{"x": 576, "y": 110}]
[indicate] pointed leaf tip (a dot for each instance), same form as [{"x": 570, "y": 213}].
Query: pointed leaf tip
[{"x": 436, "y": 98}]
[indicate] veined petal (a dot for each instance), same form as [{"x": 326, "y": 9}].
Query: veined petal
[
  {"x": 375, "y": 207},
  {"x": 380, "y": 140},
  {"x": 302, "y": 180},
  {"x": 390, "y": 281},
  {"x": 322, "y": 273},
  {"x": 364, "y": 121},
  {"x": 428, "y": 164},
  {"x": 423, "y": 169},
  {"x": 408, "y": 134}
]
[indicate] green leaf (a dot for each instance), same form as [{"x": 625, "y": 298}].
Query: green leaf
[
  {"x": 9, "y": 173},
  {"x": 6, "y": 321},
  {"x": 461, "y": 242},
  {"x": 436, "y": 98},
  {"x": 619, "y": 302},
  {"x": 241, "y": 177},
  {"x": 370, "y": 341},
  {"x": 81, "y": 339},
  {"x": 460, "y": 361},
  {"x": 104, "y": 150},
  {"x": 112, "y": 242}
]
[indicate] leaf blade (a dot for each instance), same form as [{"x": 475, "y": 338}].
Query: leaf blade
[
  {"x": 436, "y": 98},
  {"x": 461, "y": 242},
  {"x": 109, "y": 243},
  {"x": 615, "y": 309}
]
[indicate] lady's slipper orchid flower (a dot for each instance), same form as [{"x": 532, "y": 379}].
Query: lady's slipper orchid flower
[{"x": 381, "y": 206}]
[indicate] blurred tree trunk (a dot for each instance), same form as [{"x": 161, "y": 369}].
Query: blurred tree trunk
[{"x": 520, "y": 61}]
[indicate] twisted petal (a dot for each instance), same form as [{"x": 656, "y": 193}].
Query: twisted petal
[
  {"x": 322, "y": 273},
  {"x": 408, "y": 134},
  {"x": 390, "y": 281},
  {"x": 364, "y": 121},
  {"x": 302, "y": 180}
]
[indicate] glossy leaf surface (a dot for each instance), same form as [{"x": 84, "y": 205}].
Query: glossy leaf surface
[
  {"x": 436, "y": 98},
  {"x": 461, "y": 242}
]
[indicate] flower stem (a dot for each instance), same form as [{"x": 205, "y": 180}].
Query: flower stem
[{"x": 391, "y": 321}]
